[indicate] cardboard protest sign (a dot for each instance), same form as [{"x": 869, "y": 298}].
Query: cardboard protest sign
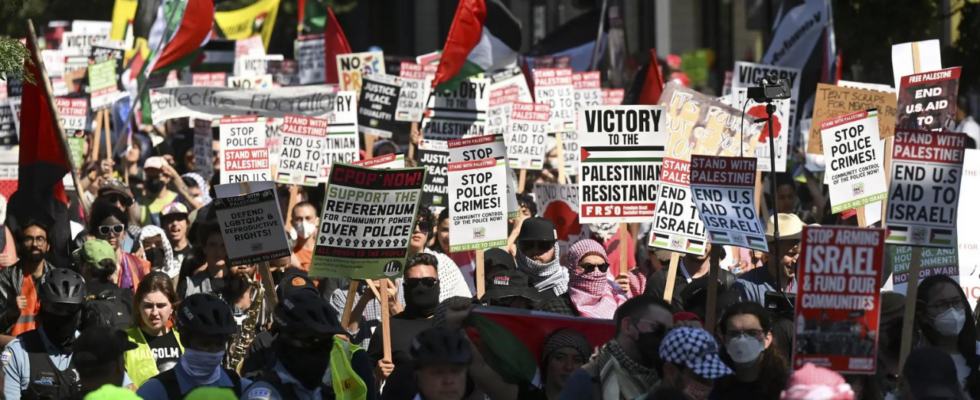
[
  {"x": 102, "y": 85},
  {"x": 512, "y": 76},
  {"x": 434, "y": 156},
  {"x": 432, "y": 58},
  {"x": 251, "y": 224},
  {"x": 934, "y": 261},
  {"x": 367, "y": 222},
  {"x": 250, "y": 46},
  {"x": 387, "y": 161},
  {"x": 215, "y": 79},
  {"x": 927, "y": 101},
  {"x": 210, "y": 102},
  {"x": 343, "y": 141},
  {"x": 588, "y": 89},
  {"x": 352, "y": 68},
  {"x": 528, "y": 124},
  {"x": 863, "y": 85},
  {"x": 559, "y": 204},
  {"x": 73, "y": 111},
  {"x": 613, "y": 97},
  {"x": 834, "y": 101},
  {"x": 677, "y": 226},
  {"x": 477, "y": 195},
  {"x": 376, "y": 108},
  {"x": 244, "y": 154},
  {"x": 924, "y": 193},
  {"x": 781, "y": 121},
  {"x": 554, "y": 87},
  {"x": 303, "y": 142},
  {"x": 312, "y": 59},
  {"x": 968, "y": 235},
  {"x": 723, "y": 189},
  {"x": 502, "y": 100},
  {"x": 622, "y": 148},
  {"x": 856, "y": 158},
  {"x": 203, "y": 148},
  {"x": 459, "y": 113},
  {"x": 251, "y": 82},
  {"x": 838, "y": 299},
  {"x": 915, "y": 57},
  {"x": 255, "y": 65},
  {"x": 698, "y": 124},
  {"x": 416, "y": 82}
]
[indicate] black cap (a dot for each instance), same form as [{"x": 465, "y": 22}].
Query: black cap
[
  {"x": 508, "y": 283},
  {"x": 538, "y": 228},
  {"x": 499, "y": 257},
  {"x": 294, "y": 279},
  {"x": 99, "y": 345},
  {"x": 931, "y": 374}
]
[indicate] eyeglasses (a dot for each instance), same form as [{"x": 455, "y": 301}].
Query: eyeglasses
[
  {"x": 589, "y": 268},
  {"x": 104, "y": 230},
  {"x": 37, "y": 240},
  {"x": 941, "y": 306},
  {"x": 412, "y": 283},
  {"x": 424, "y": 227},
  {"x": 758, "y": 334},
  {"x": 123, "y": 200},
  {"x": 543, "y": 245}
]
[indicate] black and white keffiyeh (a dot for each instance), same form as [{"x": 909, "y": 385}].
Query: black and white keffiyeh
[{"x": 550, "y": 276}]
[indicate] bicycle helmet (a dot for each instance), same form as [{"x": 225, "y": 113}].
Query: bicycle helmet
[
  {"x": 205, "y": 314},
  {"x": 441, "y": 346},
  {"x": 303, "y": 311},
  {"x": 63, "y": 286}
]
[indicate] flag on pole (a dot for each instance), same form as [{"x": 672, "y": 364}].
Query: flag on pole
[
  {"x": 184, "y": 27},
  {"x": 484, "y": 36},
  {"x": 334, "y": 43},
  {"x": 653, "y": 84}
]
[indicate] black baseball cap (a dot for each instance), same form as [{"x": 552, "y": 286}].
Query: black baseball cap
[
  {"x": 508, "y": 283},
  {"x": 499, "y": 257},
  {"x": 931, "y": 374},
  {"x": 295, "y": 279},
  {"x": 99, "y": 345},
  {"x": 537, "y": 228}
]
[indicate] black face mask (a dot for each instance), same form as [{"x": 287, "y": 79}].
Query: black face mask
[
  {"x": 304, "y": 364},
  {"x": 155, "y": 185},
  {"x": 421, "y": 301},
  {"x": 60, "y": 329},
  {"x": 156, "y": 256},
  {"x": 277, "y": 276},
  {"x": 649, "y": 346}
]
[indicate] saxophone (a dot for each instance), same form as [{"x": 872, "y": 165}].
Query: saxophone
[{"x": 240, "y": 345}]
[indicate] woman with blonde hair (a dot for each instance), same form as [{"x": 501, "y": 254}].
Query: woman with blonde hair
[{"x": 158, "y": 344}]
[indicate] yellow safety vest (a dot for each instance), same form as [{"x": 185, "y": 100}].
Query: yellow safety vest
[
  {"x": 347, "y": 385},
  {"x": 140, "y": 364}
]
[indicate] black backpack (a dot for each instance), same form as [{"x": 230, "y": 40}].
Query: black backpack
[{"x": 106, "y": 309}]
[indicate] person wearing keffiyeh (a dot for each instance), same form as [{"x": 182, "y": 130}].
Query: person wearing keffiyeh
[
  {"x": 152, "y": 234},
  {"x": 592, "y": 293},
  {"x": 538, "y": 257}
]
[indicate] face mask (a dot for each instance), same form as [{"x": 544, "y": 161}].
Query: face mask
[
  {"x": 649, "y": 345},
  {"x": 305, "y": 229},
  {"x": 202, "y": 366},
  {"x": 199, "y": 199},
  {"x": 421, "y": 301},
  {"x": 277, "y": 276},
  {"x": 950, "y": 322},
  {"x": 60, "y": 329},
  {"x": 697, "y": 391},
  {"x": 155, "y": 185},
  {"x": 306, "y": 365},
  {"x": 744, "y": 349}
]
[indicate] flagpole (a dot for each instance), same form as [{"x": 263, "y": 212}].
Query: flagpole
[
  {"x": 53, "y": 110},
  {"x": 595, "y": 48}
]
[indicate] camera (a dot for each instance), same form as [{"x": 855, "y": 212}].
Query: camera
[{"x": 770, "y": 88}]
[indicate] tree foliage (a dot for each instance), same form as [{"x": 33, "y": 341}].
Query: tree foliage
[
  {"x": 964, "y": 52},
  {"x": 12, "y": 51}
]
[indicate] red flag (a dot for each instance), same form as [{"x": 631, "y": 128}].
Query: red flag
[
  {"x": 464, "y": 34},
  {"x": 653, "y": 85},
  {"x": 334, "y": 42}
]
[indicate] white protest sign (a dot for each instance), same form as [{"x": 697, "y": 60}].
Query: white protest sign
[
  {"x": 528, "y": 127},
  {"x": 489, "y": 146},
  {"x": 54, "y": 62},
  {"x": 724, "y": 193},
  {"x": 559, "y": 204},
  {"x": 570, "y": 149},
  {"x": 781, "y": 127},
  {"x": 677, "y": 226},
  {"x": 93, "y": 27},
  {"x": 856, "y": 156},
  {"x": 501, "y": 103},
  {"x": 554, "y": 87},
  {"x": 255, "y": 65},
  {"x": 377, "y": 105},
  {"x": 312, "y": 59},
  {"x": 459, "y": 113},
  {"x": 352, "y": 68},
  {"x": 250, "y": 82},
  {"x": 588, "y": 89},
  {"x": 251, "y": 46},
  {"x": 74, "y": 112},
  {"x": 416, "y": 82},
  {"x": 927, "y": 168},
  {"x": 216, "y": 79},
  {"x": 80, "y": 43},
  {"x": 343, "y": 143},
  {"x": 968, "y": 234},
  {"x": 59, "y": 87},
  {"x": 8, "y": 127},
  {"x": 387, "y": 161},
  {"x": 434, "y": 156},
  {"x": 622, "y": 148},
  {"x": 303, "y": 142},
  {"x": 244, "y": 154},
  {"x": 613, "y": 97},
  {"x": 251, "y": 225},
  {"x": 926, "y": 54},
  {"x": 203, "y": 148},
  {"x": 511, "y": 76},
  {"x": 211, "y": 102},
  {"x": 477, "y": 197}
]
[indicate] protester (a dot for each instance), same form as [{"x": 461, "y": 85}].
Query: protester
[
  {"x": 306, "y": 224},
  {"x": 157, "y": 346},
  {"x": 116, "y": 193},
  {"x": 107, "y": 304},
  {"x": 625, "y": 367},
  {"x": 197, "y": 188},
  {"x": 591, "y": 292},
  {"x": 242, "y": 291},
  {"x": 689, "y": 268},
  {"x": 175, "y": 225},
  {"x": 609, "y": 235},
  {"x": 211, "y": 250},
  {"x": 787, "y": 201},
  {"x": 450, "y": 278},
  {"x": 816, "y": 383},
  {"x": 18, "y": 294},
  {"x": 965, "y": 122},
  {"x": 755, "y": 283},
  {"x": 465, "y": 260},
  {"x": 206, "y": 326},
  {"x": 691, "y": 362},
  {"x": 108, "y": 223},
  {"x": 538, "y": 257},
  {"x": 154, "y": 240},
  {"x": 497, "y": 260},
  {"x": 441, "y": 357},
  {"x": 640, "y": 277},
  {"x": 159, "y": 174},
  {"x": 260, "y": 352},
  {"x": 760, "y": 371},
  {"x": 8, "y": 245},
  {"x": 941, "y": 313},
  {"x": 509, "y": 288},
  {"x": 306, "y": 348},
  {"x": 930, "y": 373},
  {"x": 98, "y": 356}
]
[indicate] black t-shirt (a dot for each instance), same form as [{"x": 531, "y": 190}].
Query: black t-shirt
[
  {"x": 403, "y": 332},
  {"x": 165, "y": 350},
  {"x": 183, "y": 254}
]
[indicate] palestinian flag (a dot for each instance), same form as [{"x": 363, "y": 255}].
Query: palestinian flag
[
  {"x": 576, "y": 39},
  {"x": 941, "y": 237},
  {"x": 484, "y": 37},
  {"x": 719, "y": 237},
  {"x": 615, "y": 154},
  {"x": 312, "y": 16},
  {"x": 695, "y": 246},
  {"x": 334, "y": 44},
  {"x": 756, "y": 242},
  {"x": 216, "y": 56},
  {"x": 647, "y": 84},
  {"x": 661, "y": 240},
  {"x": 898, "y": 233},
  {"x": 184, "y": 26}
]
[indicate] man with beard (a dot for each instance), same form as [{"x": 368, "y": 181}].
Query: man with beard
[
  {"x": 159, "y": 174},
  {"x": 690, "y": 267},
  {"x": 38, "y": 364},
  {"x": 240, "y": 293},
  {"x": 779, "y": 272},
  {"x": 18, "y": 282},
  {"x": 625, "y": 367},
  {"x": 537, "y": 256},
  {"x": 306, "y": 346}
]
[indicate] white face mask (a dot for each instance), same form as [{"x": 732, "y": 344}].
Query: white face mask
[
  {"x": 744, "y": 349},
  {"x": 304, "y": 230},
  {"x": 950, "y": 322}
]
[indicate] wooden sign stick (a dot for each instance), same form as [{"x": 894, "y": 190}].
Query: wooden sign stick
[
  {"x": 862, "y": 220},
  {"x": 911, "y": 293},
  {"x": 481, "y": 283},
  {"x": 349, "y": 304},
  {"x": 758, "y": 196},
  {"x": 520, "y": 181},
  {"x": 715, "y": 265},
  {"x": 293, "y": 194},
  {"x": 624, "y": 248},
  {"x": 562, "y": 178},
  {"x": 93, "y": 153},
  {"x": 108, "y": 133},
  {"x": 268, "y": 286},
  {"x": 369, "y": 145},
  {"x": 385, "y": 324},
  {"x": 671, "y": 276},
  {"x": 888, "y": 176}
]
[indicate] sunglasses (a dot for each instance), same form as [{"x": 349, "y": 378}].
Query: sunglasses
[
  {"x": 424, "y": 227},
  {"x": 428, "y": 282},
  {"x": 589, "y": 268},
  {"x": 115, "y": 198},
  {"x": 106, "y": 229},
  {"x": 543, "y": 245}
]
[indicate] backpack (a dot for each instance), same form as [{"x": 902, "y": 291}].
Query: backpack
[{"x": 106, "y": 309}]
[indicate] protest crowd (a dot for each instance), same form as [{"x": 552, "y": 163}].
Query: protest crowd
[{"x": 475, "y": 223}]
